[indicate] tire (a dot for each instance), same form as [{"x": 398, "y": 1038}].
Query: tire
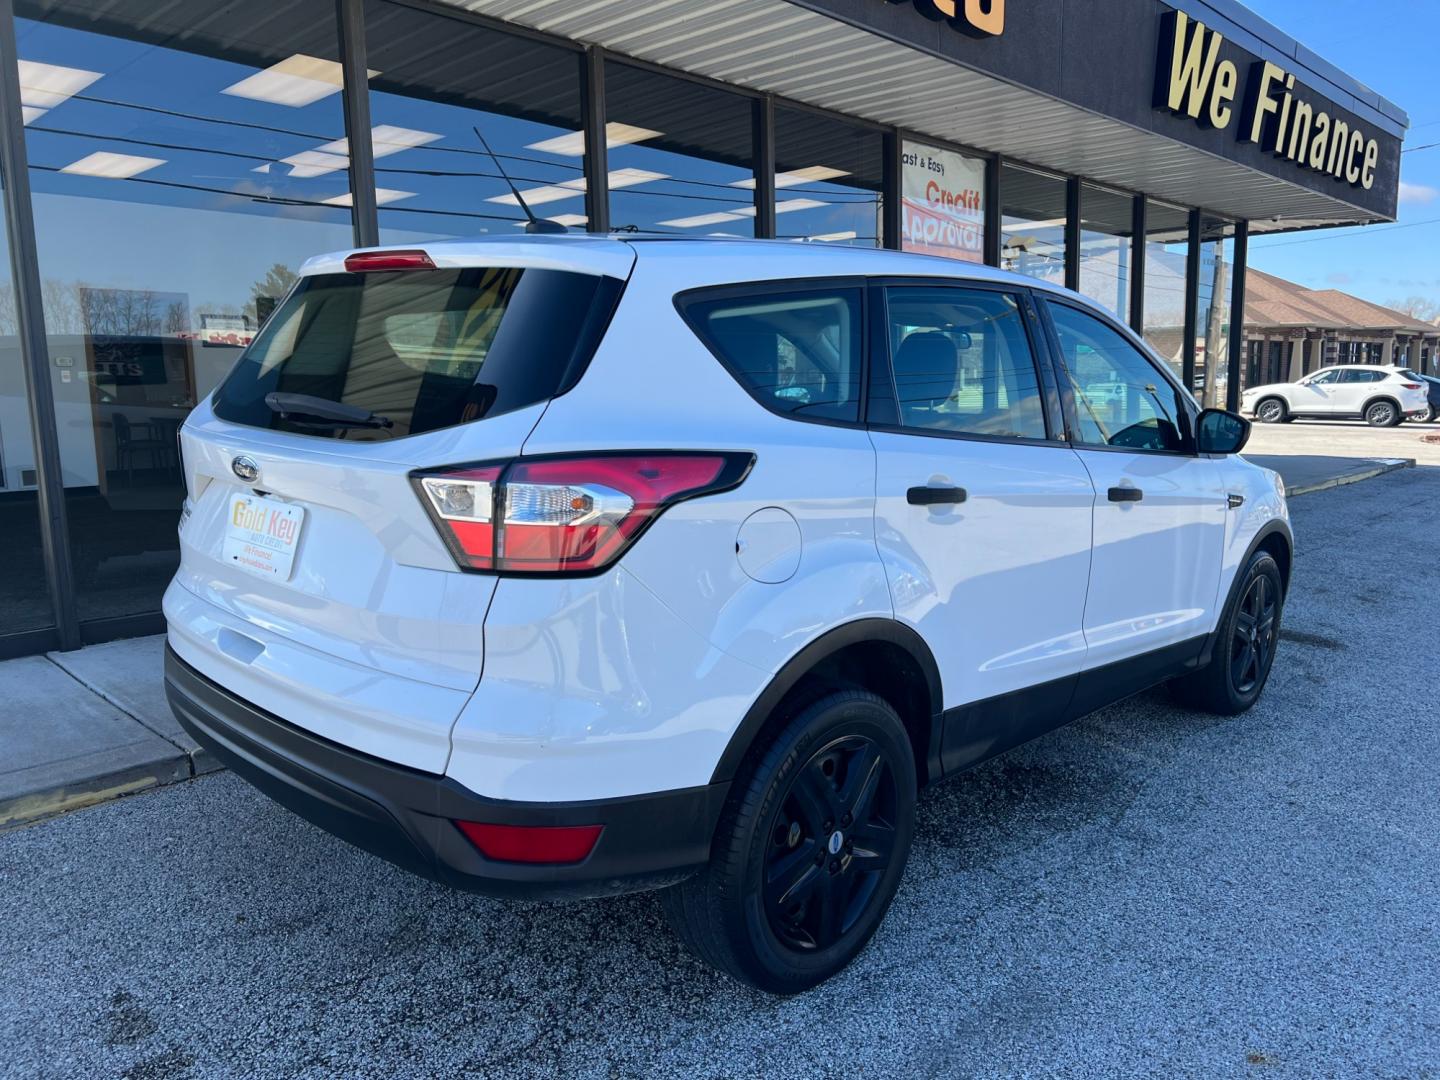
[
  {"x": 1425, "y": 417},
  {"x": 1272, "y": 410},
  {"x": 1241, "y": 660},
  {"x": 785, "y": 940},
  {"x": 1383, "y": 413}
]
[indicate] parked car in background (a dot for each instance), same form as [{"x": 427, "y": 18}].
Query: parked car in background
[
  {"x": 1432, "y": 397},
  {"x": 1381, "y": 396},
  {"x": 567, "y": 566}
]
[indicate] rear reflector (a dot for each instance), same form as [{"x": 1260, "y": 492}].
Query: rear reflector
[
  {"x": 532, "y": 844},
  {"x": 565, "y": 514},
  {"x": 364, "y": 261}
]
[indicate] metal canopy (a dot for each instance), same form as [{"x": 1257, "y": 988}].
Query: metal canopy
[{"x": 776, "y": 47}]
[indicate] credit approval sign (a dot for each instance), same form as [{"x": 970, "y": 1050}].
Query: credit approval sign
[{"x": 943, "y": 203}]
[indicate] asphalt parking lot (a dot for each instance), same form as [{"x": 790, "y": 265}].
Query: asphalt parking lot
[{"x": 1147, "y": 892}]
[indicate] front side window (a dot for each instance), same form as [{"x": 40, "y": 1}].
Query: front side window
[
  {"x": 1322, "y": 378},
  {"x": 1121, "y": 399},
  {"x": 962, "y": 363},
  {"x": 797, "y": 353}
]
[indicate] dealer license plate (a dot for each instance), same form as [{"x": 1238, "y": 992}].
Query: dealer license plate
[{"x": 261, "y": 535}]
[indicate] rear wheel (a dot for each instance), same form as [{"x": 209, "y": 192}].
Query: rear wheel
[
  {"x": 809, "y": 851},
  {"x": 1271, "y": 411},
  {"x": 1425, "y": 416},
  {"x": 1382, "y": 414},
  {"x": 1244, "y": 647}
]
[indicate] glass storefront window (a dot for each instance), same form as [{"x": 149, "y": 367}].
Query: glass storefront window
[
  {"x": 1106, "y": 227},
  {"x": 681, "y": 155},
  {"x": 1212, "y": 326},
  {"x": 1032, "y": 223},
  {"x": 184, "y": 160},
  {"x": 437, "y": 80},
  {"x": 1167, "y": 246},
  {"x": 24, "y": 597},
  {"x": 943, "y": 204},
  {"x": 829, "y": 179}
]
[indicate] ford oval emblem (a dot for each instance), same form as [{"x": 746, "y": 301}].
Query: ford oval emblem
[{"x": 245, "y": 468}]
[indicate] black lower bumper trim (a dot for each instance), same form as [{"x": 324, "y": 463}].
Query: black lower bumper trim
[{"x": 407, "y": 816}]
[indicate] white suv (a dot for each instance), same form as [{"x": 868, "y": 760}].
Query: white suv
[
  {"x": 1381, "y": 396},
  {"x": 565, "y": 566}
]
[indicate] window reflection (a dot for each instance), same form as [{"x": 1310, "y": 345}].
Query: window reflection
[
  {"x": 185, "y": 160},
  {"x": 1106, "y": 226},
  {"x": 681, "y": 155},
  {"x": 1167, "y": 245},
  {"x": 1033, "y": 223},
  {"x": 24, "y": 598},
  {"x": 829, "y": 176},
  {"x": 437, "y": 80}
]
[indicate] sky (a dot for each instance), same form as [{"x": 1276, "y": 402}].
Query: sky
[{"x": 1390, "y": 46}]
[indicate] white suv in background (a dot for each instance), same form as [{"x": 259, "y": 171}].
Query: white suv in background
[
  {"x": 1381, "y": 396},
  {"x": 565, "y": 566}
]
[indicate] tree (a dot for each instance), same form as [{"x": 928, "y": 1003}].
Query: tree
[
  {"x": 1417, "y": 307},
  {"x": 275, "y": 284}
]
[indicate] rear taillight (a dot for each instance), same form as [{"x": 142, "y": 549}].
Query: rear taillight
[
  {"x": 565, "y": 514},
  {"x": 1411, "y": 385},
  {"x": 365, "y": 261}
]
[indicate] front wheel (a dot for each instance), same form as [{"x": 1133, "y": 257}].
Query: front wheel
[
  {"x": 1271, "y": 411},
  {"x": 1382, "y": 414},
  {"x": 1244, "y": 647},
  {"x": 809, "y": 850}
]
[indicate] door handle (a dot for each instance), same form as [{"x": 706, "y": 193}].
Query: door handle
[
  {"x": 928, "y": 495},
  {"x": 1126, "y": 494}
]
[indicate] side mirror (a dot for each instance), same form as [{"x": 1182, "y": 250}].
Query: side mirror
[{"x": 1221, "y": 432}]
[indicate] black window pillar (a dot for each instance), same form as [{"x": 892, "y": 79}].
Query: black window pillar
[
  {"x": 1072, "y": 233},
  {"x": 1237, "y": 314},
  {"x": 1192, "y": 303},
  {"x": 1137, "y": 266},
  {"x": 891, "y": 221},
  {"x": 350, "y": 17},
  {"x": 597, "y": 150},
  {"x": 764, "y": 148},
  {"x": 30, "y": 322},
  {"x": 993, "y": 216}
]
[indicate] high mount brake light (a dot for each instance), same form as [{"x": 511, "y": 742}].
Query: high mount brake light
[
  {"x": 365, "y": 261},
  {"x": 565, "y": 514}
]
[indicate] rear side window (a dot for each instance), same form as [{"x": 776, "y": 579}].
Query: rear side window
[
  {"x": 383, "y": 355},
  {"x": 796, "y": 352},
  {"x": 1356, "y": 375}
]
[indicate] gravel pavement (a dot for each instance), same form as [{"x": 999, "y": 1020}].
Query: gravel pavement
[{"x": 1146, "y": 892}]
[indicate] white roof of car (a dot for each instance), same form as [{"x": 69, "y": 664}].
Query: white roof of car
[{"x": 588, "y": 253}]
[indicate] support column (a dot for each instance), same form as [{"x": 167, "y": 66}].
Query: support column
[
  {"x": 1237, "y": 314},
  {"x": 350, "y": 14},
  {"x": 1297, "y": 359},
  {"x": 1387, "y": 351},
  {"x": 34, "y": 349}
]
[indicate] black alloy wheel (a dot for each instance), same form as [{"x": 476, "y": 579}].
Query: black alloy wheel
[
  {"x": 830, "y": 845},
  {"x": 809, "y": 849},
  {"x": 1252, "y": 645}
]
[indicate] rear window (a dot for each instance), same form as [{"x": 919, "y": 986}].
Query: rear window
[
  {"x": 796, "y": 352},
  {"x": 383, "y": 355}
]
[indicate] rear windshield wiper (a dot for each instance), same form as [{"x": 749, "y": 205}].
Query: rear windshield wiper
[{"x": 299, "y": 407}]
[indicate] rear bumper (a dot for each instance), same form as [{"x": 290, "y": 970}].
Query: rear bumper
[{"x": 407, "y": 816}]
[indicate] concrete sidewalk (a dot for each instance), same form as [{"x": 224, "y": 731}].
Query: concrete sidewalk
[{"x": 82, "y": 727}]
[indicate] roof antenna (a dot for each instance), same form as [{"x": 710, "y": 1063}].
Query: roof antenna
[{"x": 534, "y": 225}]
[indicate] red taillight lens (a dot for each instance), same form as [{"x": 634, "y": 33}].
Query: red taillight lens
[
  {"x": 1411, "y": 385},
  {"x": 570, "y": 514},
  {"x": 532, "y": 844},
  {"x": 365, "y": 261}
]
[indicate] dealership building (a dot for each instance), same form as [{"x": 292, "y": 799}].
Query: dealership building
[{"x": 168, "y": 165}]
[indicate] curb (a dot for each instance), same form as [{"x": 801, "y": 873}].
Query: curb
[
  {"x": 90, "y": 790},
  {"x": 1382, "y": 466}
]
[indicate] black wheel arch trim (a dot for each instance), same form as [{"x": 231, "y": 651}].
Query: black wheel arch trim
[
  {"x": 857, "y": 632},
  {"x": 1275, "y": 527}
]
